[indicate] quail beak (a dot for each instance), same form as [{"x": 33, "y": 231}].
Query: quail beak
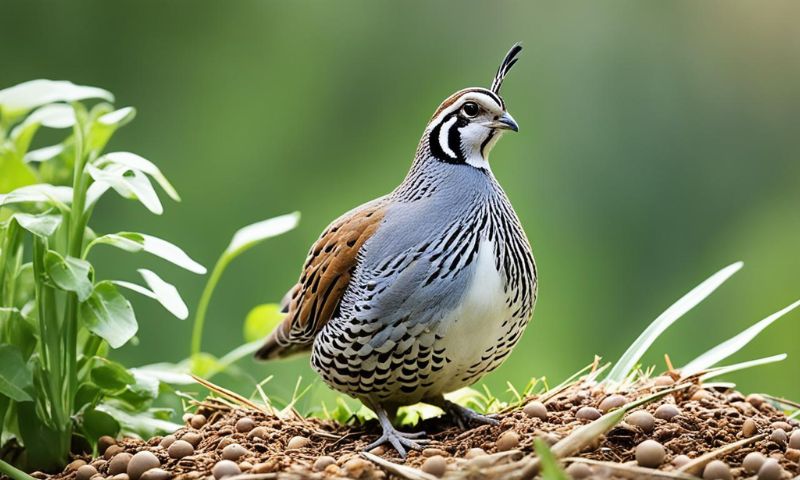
[{"x": 505, "y": 122}]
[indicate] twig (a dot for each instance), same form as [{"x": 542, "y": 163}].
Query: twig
[
  {"x": 229, "y": 394},
  {"x": 401, "y": 471},
  {"x": 696, "y": 466}
]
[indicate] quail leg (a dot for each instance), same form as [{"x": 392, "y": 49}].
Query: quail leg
[
  {"x": 399, "y": 440},
  {"x": 463, "y": 416}
]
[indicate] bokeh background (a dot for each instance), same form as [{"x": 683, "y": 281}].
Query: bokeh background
[{"x": 659, "y": 142}]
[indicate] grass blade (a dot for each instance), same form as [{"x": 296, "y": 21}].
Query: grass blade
[
  {"x": 732, "y": 345},
  {"x": 742, "y": 366},
  {"x": 635, "y": 352},
  {"x": 551, "y": 469}
]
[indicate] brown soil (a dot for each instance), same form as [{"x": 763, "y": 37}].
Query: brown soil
[{"x": 707, "y": 422}]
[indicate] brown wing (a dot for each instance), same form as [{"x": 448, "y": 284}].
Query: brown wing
[{"x": 326, "y": 275}]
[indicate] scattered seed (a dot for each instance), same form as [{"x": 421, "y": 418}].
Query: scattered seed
[
  {"x": 667, "y": 411},
  {"x": 550, "y": 438},
  {"x": 749, "y": 428},
  {"x": 752, "y": 462},
  {"x": 263, "y": 467},
  {"x": 611, "y": 402},
  {"x": 245, "y": 424},
  {"x": 681, "y": 460},
  {"x": 104, "y": 442},
  {"x": 233, "y": 451},
  {"x": 794, "y": 440},
  {"x": 111, "y": 451},
  {"x": 156, "y": 474},
  {"x": 245, "y": 466},
  {"x": 187, "y": 417},
  {"x": 755, "y": 400},
  {"x": 793, "y": 455},
  {"x": 192, "y": 437},
  {"x": 663, "y": 381},
  {"x": 642, "y": 419},
  {"x": 74, "y": 465},
  {"x": 121, "y": 476},
  {"x": 782, "y": 425},
  {"x": 717, "y": 470},
  {"x": 700, "y": 395},
  {"x": 140, "y": 463},
  {"x": 379, "y": 450},
  {"x": 430, "y": 452},
  {"x": 167, "y": 441},
  {"x": 435, "y": 465},
  {"x": 474, "y": 453},
  {"x": 297, "y": 442},
  {"x": 225, "y": 468},
  {"x": 507, "y": 441},
  {"x": 258, "y": 432},
  {"x": 536, "y": 409},
  {"x": 579, "y": 470},
  {"x": 356, "y": 467},
  {"x": 322, "y": 462},
  {"x": 650, "y": 454},
  {"x": 198, "y": 421},
  {"x": 85, "y": 472},
  {"x": 588, "y": 413},
  {"x": 770, "y": 470},
  {"x": 180, "y": 449},
  {"x": 119, "y": 463},
  {"x": 779, "y": 437}
]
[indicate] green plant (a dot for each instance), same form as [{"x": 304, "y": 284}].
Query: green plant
[{"x": 57, "y": 320}]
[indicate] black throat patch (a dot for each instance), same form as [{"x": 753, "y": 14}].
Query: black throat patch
[{"x": 453, "y": 139}]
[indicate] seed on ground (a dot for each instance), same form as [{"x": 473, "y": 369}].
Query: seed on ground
[
  {"x": 717, "y": 470},
  {"x": 770, "y": 470},
  {"x": 667, "y": 411},
  {"x": 111, "y": 451},
  {"x": 749, "y": 428},
  {"x": 225, "y": 468},
  {"x": 192, "y": 437},
  {"x": 322, "y": 462},
  {"x": 435, "y": 465},
  {"x": 380, "y": 450},
  {"x": 700, "y": 395},
  {"x": 198, "y": 421},
  {"x": 104, "y": 442},
  {"x": 187, "y": 417},
  {"x": 579, "y": 470},
  {"x": 588, "y": 413},
  {"x": 474, "y": 452},
  {"x": 140, "y": 463},
  {"x": 74, "y": 465},
  {"x": 156, "y": 474},
  {"x": 180, "y": 449},
  {"x": 663, "y": 381},
  {"x": 356, "y": 467},
  {"x": 752, "y": 462},
  {"x": 792, "y": 454},
  {"x": 430, "y": 452},
  {"x": 297, "y": 442},
  {"x": 85, "y": 472},
  {"x": 794, "y": 440},
  {"x": 549, "y": 438},
  {"x": 650, "y": 454},
  {"x": 119, "y": 463},
  {"x": 755, "y": 400},
  {"x": 245, "y": 424},
  {"x": 507, "y": 441},
  {"x": 234, "y": 451},
  {"x": 535, "y": 409},
  {"x": 258, "y": 432},
  {"x": 121, "y": 476},
  {"x": 611, "y": 402},
  {"x": 245, "y": 466},
  {"x": 779, "y": 436},
  {"x": 642, "y": 419},
  {"x": 681, "y": 460},
  {"x": 167, "y": 441},
  {"x": 782, "y": 425}
]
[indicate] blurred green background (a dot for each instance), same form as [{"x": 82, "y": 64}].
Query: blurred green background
[{"x": 659, "y": 142}]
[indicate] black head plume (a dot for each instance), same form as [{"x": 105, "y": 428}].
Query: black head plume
[{"x": 502, "y": 71}]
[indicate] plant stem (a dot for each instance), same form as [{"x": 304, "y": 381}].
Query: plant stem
[
  {"x": 205, "y": 298},
  {"x": 14, "y": 473}
]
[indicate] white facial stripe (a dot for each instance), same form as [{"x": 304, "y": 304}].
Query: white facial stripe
[
  {"x": 478, "y": 97},
  {"x": 444, "y": 132}
]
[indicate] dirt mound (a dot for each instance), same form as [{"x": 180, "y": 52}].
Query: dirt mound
[{"x": 693, "y": 422}]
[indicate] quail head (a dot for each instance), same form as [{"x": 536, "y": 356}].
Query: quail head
[{"x": 425, "y": 290}]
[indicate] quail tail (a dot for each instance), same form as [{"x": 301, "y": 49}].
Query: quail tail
[{"x": 401, "y": 441}]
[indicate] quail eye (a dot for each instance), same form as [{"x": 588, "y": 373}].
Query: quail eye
[{"x": 470, "y": 109}]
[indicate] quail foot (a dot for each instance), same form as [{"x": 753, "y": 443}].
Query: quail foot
[{"x": 427, "y": 289}]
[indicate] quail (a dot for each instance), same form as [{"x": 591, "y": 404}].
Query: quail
[{"x": 424, "y": 290}]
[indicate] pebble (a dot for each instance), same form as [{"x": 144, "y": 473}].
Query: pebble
[
  {"x": 430, "y": 452},
  {"x": 755, "y": 400},
  {"x": 322, "y": 462},
  {"x": 717, "y": 470},
  {"x": 508, "y": 440},
  {"x": 752, "y": 462},
  {"x": 779, "y": 437},
  {"x": 663, "y": 381},
  {"x": 245, "y": 424},
  {"x": 180, "y": 449},
  {"x": 770, "y": 470},
  {"x": 111, "y": 451},
  {"x": 588, "y": 413},
  {"x": 197, "y": 421},
  {"x": 258, "y": 432},
  {"x": 104, "y": 442},
  {"x": 192, "y": 437},
  {"x": 167, "y": 441},
  {"x": 650, "y": 454},
  {"x": 297, "y": 442},
  {"x": 435, "y": 465},
  {"x": 681, "y": 460},
  {"x": 749, "y": 428},
  {"x": 667, "y": 411},
  {"x": 535, "y": 409},
  {"x": 74, "y": 465},
  {"x": 642, "y": 419},
  {"x": 579, "y": 470},
  {"x": 700, "y": 395},
  {"x": 356, "y": 467},
  {"x": 234, "y": 451},
  {"x": 119, "y": 463},
  {"x": 156, "y": 474},
  {"x": 140, "y": 463},
  {"x": 474, "y": 453},
  {"x": 225, "y": 468},
  {"x": 611, "y": 402},
  {"x": 85, "y": 472}
]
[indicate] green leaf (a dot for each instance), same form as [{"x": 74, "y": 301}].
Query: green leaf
[
  {"x": 43, "y": 225},
  {"x": 135, "y": 162},
  {"x": 17, "y": 100},
  {"x": 15, "y": 173},
  {"x": 140, "y": 394},
  {"x": 70, "y": 274},
  {"x": 250, "y": 235},
  {"x": 131, "y": 184},
  {"x": 41, "y": 192},
  {"x": 96, "y": 423},
  {"x": 16, "y": 380},
  {"x": 145, "y": 424},
  {"x": 165, "y": 293},
  {"x": 109, "y": 315},
  {"x": 638, "y": 348},
  {"x": 261, "y": 321},
  {"x": 550, "y": 468},
  {"x": 110, "y": 376},
  {"x": 136, "y": 242}
]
